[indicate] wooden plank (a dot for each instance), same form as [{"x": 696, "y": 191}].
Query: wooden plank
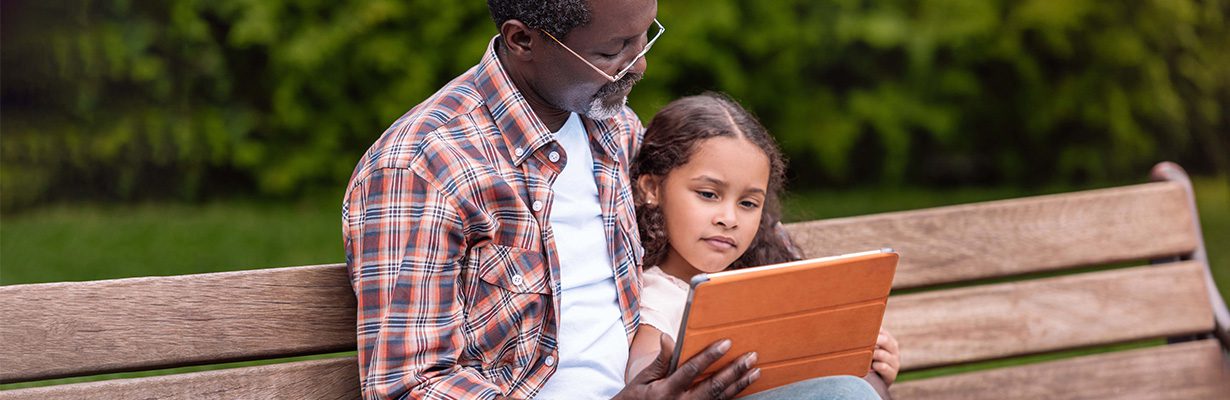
[
  {"x": 336, "y": 378},
  {"x": 1193, "y": 370},
  {"x": 1026, "y": 317},
  {"x": 81, "y": 328},
  {"x": 1009, "y": 237}
]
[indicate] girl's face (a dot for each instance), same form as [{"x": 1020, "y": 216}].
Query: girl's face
[{"x": 712, "y": 205}]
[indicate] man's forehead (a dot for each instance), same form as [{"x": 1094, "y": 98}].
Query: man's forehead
[{"x": 612, "y": 19}]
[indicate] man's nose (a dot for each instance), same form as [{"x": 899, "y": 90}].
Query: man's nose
[{"x": 640, "y": 65}]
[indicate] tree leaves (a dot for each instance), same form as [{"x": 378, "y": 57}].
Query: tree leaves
[{"x": 183, "y": 98}]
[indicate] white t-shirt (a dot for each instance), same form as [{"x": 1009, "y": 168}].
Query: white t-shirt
[
  {"x": 593, "y": 347},
  {"x": 663, "y": 298}
]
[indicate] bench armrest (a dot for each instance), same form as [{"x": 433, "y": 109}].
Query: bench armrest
[{"x": 1171, "y": 172}]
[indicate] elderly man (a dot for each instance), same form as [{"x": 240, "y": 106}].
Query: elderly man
[{"x": 490, "y": 234}]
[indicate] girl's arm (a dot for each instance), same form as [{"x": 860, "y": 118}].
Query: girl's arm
[
  {"x": 644, "y": 350},
  {"x": 878, "y": 384}
]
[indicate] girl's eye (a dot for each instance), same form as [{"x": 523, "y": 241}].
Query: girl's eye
[
  {"x": 749, "y": 204},
  {"x": 707, "y": 195}
]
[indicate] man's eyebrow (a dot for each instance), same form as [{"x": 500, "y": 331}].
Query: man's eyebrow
[
  {"x": 626, "y": 39},
  {"x": 621, "y": 40}
]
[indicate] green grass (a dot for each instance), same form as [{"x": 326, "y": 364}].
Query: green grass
[
  {"x": 89, "y": 242},
  {"x": 78, "y": 243}
]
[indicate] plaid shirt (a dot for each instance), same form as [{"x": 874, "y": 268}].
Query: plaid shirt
[{"x": 449, "y": 248}]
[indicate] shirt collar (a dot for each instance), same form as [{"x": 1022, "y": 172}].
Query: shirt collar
[{"x": 521, "y": 129}]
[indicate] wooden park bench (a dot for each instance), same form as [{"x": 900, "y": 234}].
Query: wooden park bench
[{"x": 1078, "y": 275}]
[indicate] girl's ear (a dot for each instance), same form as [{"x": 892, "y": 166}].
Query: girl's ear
[{"x": 648, "y": 186}]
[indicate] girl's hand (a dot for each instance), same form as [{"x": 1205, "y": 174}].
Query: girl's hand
[{"x": 886, "y": 360}]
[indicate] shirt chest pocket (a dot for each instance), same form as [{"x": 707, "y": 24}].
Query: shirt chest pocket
[
  {"x": 514, "y": 269},
  {"x": 508, "y": 306}
]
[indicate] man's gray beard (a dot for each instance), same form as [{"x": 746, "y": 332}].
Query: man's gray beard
[{"x": 599, "y": 111}]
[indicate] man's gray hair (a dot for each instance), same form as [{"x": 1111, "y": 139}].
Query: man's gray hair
[{"x": 557, "y": 17}]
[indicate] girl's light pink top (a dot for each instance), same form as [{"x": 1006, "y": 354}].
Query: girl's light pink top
[{"x": 662, "y": 300}]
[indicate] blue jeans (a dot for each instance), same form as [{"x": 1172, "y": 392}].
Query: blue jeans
[{"x": 843, "y": 387}]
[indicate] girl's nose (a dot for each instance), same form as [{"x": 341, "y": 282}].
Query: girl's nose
[{"x": 725, "y": 218}]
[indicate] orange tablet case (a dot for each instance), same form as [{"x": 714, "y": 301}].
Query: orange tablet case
[{"x": 805, "y": 319}]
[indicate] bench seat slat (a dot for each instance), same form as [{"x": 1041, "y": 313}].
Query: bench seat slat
[
  {"x": 1192, "y": 370},
  {"x": 336, "y": 378},
  {"x": 1018, "y": 236},
  {"x": 1027, "y": 317},
  {"x": 84, "y": 328}
]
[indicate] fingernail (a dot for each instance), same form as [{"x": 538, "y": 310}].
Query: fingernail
[
  {"x": 751, "y": 359},
  {"x": 755, "y": 374},
  {"x": 725, "y": 345}
]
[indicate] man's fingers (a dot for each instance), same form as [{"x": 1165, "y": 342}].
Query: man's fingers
[
  {"x": 731, "y": 380},
  {"x": 661, "y": 364},
  {"x": 743, "y": 382},
  {"x": 688, "y": 371}
]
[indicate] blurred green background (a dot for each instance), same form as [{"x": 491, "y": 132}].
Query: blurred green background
[{"x": 178, "y": 136}]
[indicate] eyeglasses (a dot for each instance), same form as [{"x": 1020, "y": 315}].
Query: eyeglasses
[{"x": 625, "y": 70}]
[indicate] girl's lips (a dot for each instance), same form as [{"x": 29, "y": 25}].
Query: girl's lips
[{"x": 720, "y": 244}]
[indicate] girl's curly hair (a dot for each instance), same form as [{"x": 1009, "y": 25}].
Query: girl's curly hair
[{"x": 671, "y": 139}]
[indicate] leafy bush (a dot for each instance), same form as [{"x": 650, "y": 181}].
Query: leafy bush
[{"x": 189, "y": 98}]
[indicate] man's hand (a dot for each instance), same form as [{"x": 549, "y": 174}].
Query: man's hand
[
  {"x": 654, "y": 383},
  {"x": 886, "y": 360}
]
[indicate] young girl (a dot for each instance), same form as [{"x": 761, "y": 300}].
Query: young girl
[{"x": 706, "y": 186}]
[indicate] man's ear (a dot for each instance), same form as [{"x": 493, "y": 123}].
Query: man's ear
[
  {"x": 518, "y": 39},
  {"x": 648, "y": 186}
]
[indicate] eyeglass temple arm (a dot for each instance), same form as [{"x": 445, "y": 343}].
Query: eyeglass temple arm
[{"x": 599, "y": 71}]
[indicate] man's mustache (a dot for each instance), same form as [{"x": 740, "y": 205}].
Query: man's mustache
[{"x": 623, "y": 84}]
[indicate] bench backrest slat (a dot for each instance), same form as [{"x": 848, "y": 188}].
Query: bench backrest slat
[
  {"x": 83, "y": 328},
  {"x": 1019, "y": 236},
  {"x": 1192, "y": 370},
  {"x": 1026, "y": 317},
  {"x": 336, "y": 378}
]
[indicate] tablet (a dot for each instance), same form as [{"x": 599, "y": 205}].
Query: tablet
[{"x": 804, "y": 319}]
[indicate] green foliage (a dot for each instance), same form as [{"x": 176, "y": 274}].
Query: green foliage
[
  {"x": 186, "y": 98},
  {"x": 189, "y": 97},
  {"x": 963, "y": 90}
]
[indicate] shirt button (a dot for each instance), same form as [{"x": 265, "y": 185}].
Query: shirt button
[
  {"x": 517, "y": 280},
  {"x": 518, "y": 151},
  {"x": 554, "y": 156},
  {"x": 550, "y": 361},
  {"x": 537, "y": 206}
]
